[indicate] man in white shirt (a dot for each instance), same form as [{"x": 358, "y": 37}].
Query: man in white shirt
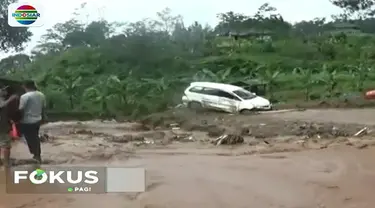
[{"x": 32, "y": 106}]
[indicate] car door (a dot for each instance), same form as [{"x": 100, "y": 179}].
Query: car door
[
  {"x": 194, "y": 94},
  {"x": 210, "y": 98},
  {"x": 228, "y": 102}
]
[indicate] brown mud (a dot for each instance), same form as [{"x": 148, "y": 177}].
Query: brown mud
[{"x": 292, "y": 159}]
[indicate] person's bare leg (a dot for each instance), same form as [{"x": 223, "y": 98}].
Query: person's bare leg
[{"x": 5, "y": 145}]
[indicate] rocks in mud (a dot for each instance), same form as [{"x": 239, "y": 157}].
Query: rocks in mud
[
  {"x": 86, "y": 132},
  {"x": 203, "y": 126},
  {"x": 229, "y": 139},
  {"x": 159, "y": 137},
  {"x": 254, "y": 142},
  {"x": 165, "y": 119},
  {"x": 117, "y": 139},
  {"x": 109, "y": 121},
  {"x": 22, "y": 162},
  {"x": 104, "y": 154},
  {"x": 200, "y": 127},
  {"x": 360, "y": 143},
  {"x": 259, "y": 131},
  {"x": 145, "y": 142},
  {"x": 181, "y": 136},
  {"x": 303, "y": 129},
  {"x": 321, "y": 130},
  {"x": 362, "y": 146},
  {"x": 140, "y": 127},
  {"x": 174, "y": 126},
  {"x": 244, "y": 131},
  {"x": 46, "y": 138},
  {"x": 81, "y": 131},
  {"x": 153, "y": 121},
  {"x": 125, "y": 138},
  {"x": 215, "y": 131},
  {"x": 155, "y": 135},
  {"x": 137, "y": 140}
]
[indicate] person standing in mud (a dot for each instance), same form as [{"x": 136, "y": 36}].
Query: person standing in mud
[
  {"x": 32, "y": 107},
  {"x": 5, "y": 127}
]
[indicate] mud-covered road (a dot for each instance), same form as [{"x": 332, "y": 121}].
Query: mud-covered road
[{"x": 306, "y": 159}]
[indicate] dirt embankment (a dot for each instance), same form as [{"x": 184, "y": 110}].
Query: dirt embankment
[
  {"x": 316, "y": 126},
  {"x": 219, "y": 160}
]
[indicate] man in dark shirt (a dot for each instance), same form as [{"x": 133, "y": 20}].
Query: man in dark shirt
[{"x": 5, "y": 127}]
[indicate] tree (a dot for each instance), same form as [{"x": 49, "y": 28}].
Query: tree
[
  {"x": 361, "y": 8},
  {"x": 11, "y": 63},
  {"x": 11, "y": 37}
]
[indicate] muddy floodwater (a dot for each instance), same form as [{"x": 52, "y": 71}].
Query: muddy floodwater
[{"x": 308, "y": 159}]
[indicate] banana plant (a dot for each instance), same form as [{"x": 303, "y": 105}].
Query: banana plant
[
  {"x": 270, "y": 76},
  {"x": 329, "y": 79},
  {"x": 221, "y": 76},
  {"x": 359, "y": 75},
  {"x": 69, "y": 86},
  {"x": 158, "y": 85},
  {"x": 251, "y": 72},
  {"x": 161, "y": 89},
  {"x": 105, "y": 91},
  {"x": 307, "y": 79}
]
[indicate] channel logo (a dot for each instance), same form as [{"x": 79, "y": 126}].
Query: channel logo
[{"x": 25, "y": 15}]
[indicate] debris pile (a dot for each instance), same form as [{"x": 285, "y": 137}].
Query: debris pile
[
  {"x": 229, "y": 139},
  {"x": 125, "y": 138},
  {"x": 86, "y": 132},
  {"x": 320, "y": 130},
  {"x": 362, "y": 132},
  {"x": 303, "y": 129},
  {"x": 181, "y": 136}
]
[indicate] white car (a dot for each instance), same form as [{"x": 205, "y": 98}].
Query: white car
[{"x": 223, "y": 97}]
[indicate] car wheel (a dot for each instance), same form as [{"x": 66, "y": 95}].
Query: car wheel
[{"x": 195, "y": 105}]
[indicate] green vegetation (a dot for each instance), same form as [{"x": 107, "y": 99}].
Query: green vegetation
[{"x": 142, "y": 67}]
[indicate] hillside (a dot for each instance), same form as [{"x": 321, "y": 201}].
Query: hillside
[{"x": 137, "y": 68}]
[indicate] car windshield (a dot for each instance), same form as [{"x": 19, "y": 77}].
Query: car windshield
[{"x": 246, "y": 95}]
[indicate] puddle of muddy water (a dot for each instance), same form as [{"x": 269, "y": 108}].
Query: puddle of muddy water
[{"x": 330, "y": 177}]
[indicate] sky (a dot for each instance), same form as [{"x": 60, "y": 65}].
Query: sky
[{"x": 203, "y": 11}]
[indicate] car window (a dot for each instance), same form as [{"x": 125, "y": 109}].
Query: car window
[
  {"x": 246, "y": 95},
  {"x": 196, "y": 89},
  {"x": 227, "y": 95},
  {"x": 210, "y": 91}
]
